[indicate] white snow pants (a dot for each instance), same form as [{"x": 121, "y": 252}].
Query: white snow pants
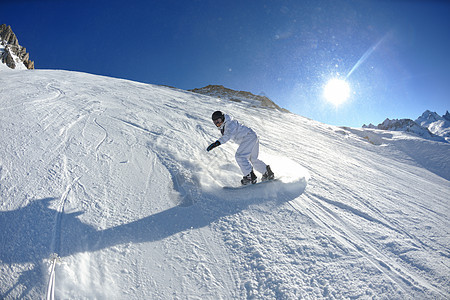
[{"x": 247, "y": 155}]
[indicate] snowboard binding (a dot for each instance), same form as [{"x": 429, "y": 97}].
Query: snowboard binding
[
  {"x": 269, "y": 175},
  {"x": 249, "y": 179}
]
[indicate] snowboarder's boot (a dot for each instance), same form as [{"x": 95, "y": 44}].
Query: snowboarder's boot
[
  {"x": 268, "y": 175},
  {"x": 250, "y": 178}
]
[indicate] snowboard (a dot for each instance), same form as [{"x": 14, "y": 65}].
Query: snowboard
[{"x": 249, "y": 185}]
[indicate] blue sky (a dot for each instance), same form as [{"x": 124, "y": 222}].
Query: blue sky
[{"x": 286, "y": 50}]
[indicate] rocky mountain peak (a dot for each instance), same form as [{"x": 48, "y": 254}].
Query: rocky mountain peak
[
  {"x": 11, "y": 53},
  {"x": 447, "y": 116},
  {"x": 428, "y": 117}
]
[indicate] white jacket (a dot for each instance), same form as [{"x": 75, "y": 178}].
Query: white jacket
[{"x": 233, "y": 130}]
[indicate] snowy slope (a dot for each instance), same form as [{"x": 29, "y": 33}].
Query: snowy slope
[{"x": 113, "y": 176}]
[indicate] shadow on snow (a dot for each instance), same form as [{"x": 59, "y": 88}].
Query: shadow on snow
[{"x": 30, "y": 234}]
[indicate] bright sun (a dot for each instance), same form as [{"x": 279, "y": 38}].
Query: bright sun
[{"x": 336, "y": 91}]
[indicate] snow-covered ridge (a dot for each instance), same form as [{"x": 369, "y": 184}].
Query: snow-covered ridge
[
  {"x": 428, "y": 125},
  {"x": 438, "y": 125},
  {"x": 113, "y": 176}
]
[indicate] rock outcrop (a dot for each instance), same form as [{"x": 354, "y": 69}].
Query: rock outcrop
[
  {"x": 220, "y": 91},
  {"x": 11, "y": 53}
]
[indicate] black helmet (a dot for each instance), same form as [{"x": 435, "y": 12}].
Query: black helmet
[{"x": 217, "y": 115}]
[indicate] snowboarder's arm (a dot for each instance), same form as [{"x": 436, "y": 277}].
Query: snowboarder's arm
[
  {"x": 230, "y": 131},
  {"x": 213, "y": 145}
]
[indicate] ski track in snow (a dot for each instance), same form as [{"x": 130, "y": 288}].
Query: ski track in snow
[{"x": 113, "y": 177}]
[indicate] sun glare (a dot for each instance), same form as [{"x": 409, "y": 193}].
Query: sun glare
[{"x": 336, "y": 91}]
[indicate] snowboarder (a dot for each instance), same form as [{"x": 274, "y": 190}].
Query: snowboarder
[{"x": 248, "y": 150}]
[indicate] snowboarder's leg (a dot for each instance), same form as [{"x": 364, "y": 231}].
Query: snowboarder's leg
[
  {"x": 242, "y": 157},
  {"x": 258, "y": 164}
]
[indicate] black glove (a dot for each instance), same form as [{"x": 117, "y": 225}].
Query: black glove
[{"x": 213, "y": 145}]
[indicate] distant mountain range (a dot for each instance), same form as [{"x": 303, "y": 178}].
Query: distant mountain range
[
  {"x": 428, "y": 125},
  {"x": 12, "y": 54}
]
